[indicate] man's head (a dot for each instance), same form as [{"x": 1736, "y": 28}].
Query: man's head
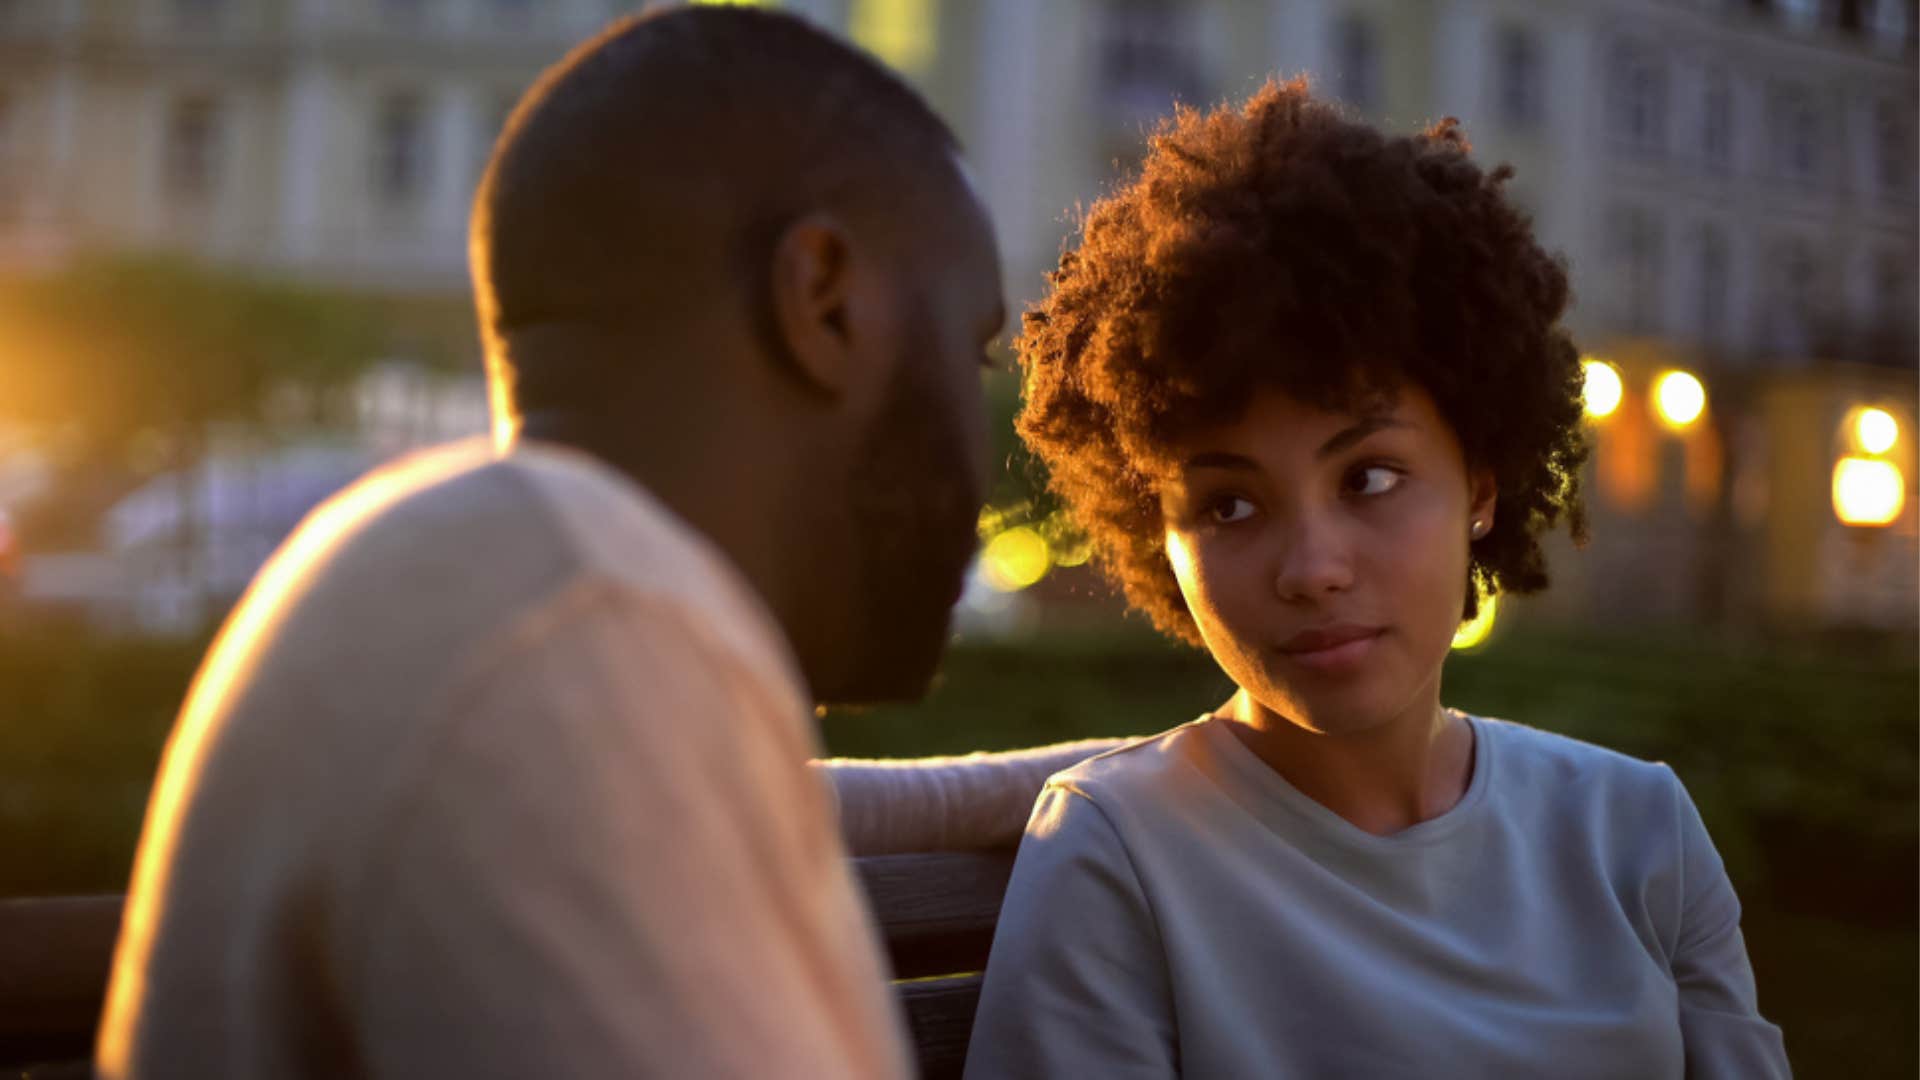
[{"x": 740, "y": 261}]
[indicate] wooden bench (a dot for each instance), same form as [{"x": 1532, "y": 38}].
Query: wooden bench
[{"x": 936, "y": 911}]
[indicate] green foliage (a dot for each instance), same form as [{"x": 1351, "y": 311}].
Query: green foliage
[
  {"x": 82, "y": 722},
  {"x": 108, "y": 351}
]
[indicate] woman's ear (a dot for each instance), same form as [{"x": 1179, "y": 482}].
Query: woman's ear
[{"x": 1482, "y": 492}]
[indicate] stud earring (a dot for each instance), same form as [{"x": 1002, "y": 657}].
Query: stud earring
[{"x": 1479, "y": 530}]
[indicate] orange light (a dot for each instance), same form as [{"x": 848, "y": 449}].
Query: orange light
[
  {"x": 1876, "y": 430},
  {"x": 1602, "y": 389},
  {"x": 1868, "y": 491},
  {"x": 1680, "y": 398}
]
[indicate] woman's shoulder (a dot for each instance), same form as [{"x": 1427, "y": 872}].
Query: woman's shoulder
[
  {"x": 1551, "y": 765},
  {"x": 1139, "y": 766},
  {"x": 1551, "y": 749}
]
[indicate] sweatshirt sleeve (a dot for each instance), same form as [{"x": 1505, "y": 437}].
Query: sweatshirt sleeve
[
  {"x": 965, "y": 803},
  {"x": 1077, "y": 982},
  {"x": 1720, "y": 1023}
]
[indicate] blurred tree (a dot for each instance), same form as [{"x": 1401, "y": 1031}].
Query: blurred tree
[
  {"x": 110, "y": 357},
  {"x": 122, "y": 368}
]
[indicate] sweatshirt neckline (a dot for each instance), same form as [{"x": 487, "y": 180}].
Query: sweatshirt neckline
[{"x": 1272, "y": 789}]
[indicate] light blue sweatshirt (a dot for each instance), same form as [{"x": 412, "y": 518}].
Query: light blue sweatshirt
[{"x": 1179, "y": 909}]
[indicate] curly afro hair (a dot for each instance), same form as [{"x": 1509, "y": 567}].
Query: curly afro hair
[{"x": 1280, "y": 245}]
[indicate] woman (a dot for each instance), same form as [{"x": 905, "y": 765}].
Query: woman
[{"x": 1305, "y": 387}]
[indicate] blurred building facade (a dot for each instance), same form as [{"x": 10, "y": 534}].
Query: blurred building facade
[{"x": 1733, "y": 183}]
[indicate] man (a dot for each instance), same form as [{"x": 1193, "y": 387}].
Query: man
[{"x": 499, "y": 769}]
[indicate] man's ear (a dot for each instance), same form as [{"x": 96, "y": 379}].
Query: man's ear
[{"x": 813, "y": 293}]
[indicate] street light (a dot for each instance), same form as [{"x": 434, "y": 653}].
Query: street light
[
  {"x": 1602, "y": 389},
  {"x": 1876, "y": 430},
  {"x": 1868, "y": 491},
  {"x": 1680, "y": 398}
]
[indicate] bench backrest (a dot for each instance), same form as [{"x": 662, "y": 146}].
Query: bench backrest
[{"x": 936, "y": 912}]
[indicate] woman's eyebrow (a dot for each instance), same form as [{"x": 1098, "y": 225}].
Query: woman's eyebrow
[
  {"x": 1351, "y": 435},
  {"x": 1219, "y": 459}
]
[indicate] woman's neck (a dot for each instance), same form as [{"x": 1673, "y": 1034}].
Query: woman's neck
[{"x": 1382, "y": 779}]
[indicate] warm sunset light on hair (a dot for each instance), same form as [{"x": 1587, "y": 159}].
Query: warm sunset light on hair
[{"x": 1474, "y": 632}]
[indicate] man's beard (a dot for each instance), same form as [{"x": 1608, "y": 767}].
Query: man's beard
[{"x": 914, "y": 504}]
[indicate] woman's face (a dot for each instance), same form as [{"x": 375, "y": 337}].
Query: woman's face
[{"x": 1324, "y": 554}]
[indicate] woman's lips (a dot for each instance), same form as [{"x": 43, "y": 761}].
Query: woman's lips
[{"x": 1331, "y": 650}]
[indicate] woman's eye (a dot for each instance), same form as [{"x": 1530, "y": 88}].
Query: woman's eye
[
  {"x": 1228, "y": 509},
  {"x": 1373, "y": 480}
]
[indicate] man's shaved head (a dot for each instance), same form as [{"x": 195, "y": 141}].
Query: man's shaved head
[
  {"x": 740, "y": 262},
  {"x": 650, "y": 172}
]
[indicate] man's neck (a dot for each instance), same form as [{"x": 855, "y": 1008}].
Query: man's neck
[{"x": 743, "y": 506}]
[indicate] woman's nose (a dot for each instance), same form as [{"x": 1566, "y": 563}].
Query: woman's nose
[{"x": 1314, "y": 560}]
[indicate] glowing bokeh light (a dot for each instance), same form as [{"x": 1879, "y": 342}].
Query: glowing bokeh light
[
  {"x": 1876, "y": 430},
  {"x": 1602, "y": 389},
  {"x": 1679, "y": 397},
  {"x": 1867, "y": 491},
  {"x": 1474, "y": 632},
  {"x": 1015, "y": 559},
  {"x": 1074, "y": 553},
  {"x": 1069, "y": 545},
  {"x": 901, "y": 32}
]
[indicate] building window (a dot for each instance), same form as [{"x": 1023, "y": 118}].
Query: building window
[
  {"x": 1791, "y": 311},
  {"x": 1356, "y": 60},
  {"x": 900, "y": 32},
  {"x": 1796, "y": 135},
  {"x": 1799, "y": 12},
  {"x": 1714, "y": 269},
  {"x": 1147, "y": 61},
  {"x": 1893, "y": 299},
  {"x": 1716, "y": 122},
  {"x": 1886, "y": 19},
  {"x": 1637, "y": 98},
  {"x": 509, "y": 14},
  {"x": 1520, "y": 97},
  {"x": 1637, "y": 243},
  {"x": 1893, "y": 147},
  {"x": 198, "y": 14},
  {"x": 192, "y": 165},
  {"x": 400, "y": 150},
  {"x": 403, "y": 14}
]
